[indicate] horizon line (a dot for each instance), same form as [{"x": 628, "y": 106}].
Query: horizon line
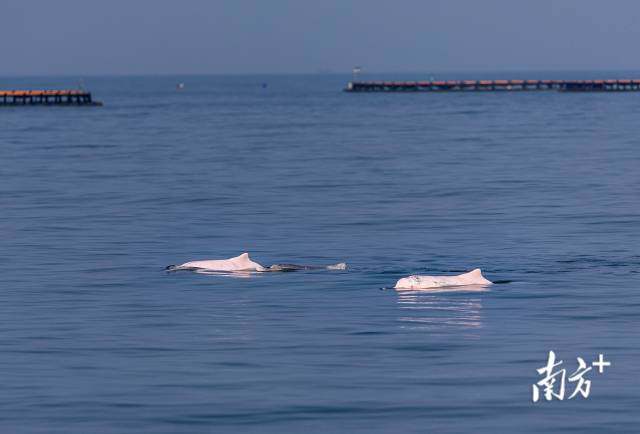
[{"x": 365, "y": 72}]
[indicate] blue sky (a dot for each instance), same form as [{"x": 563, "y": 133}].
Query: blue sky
[{"x": 279, "y": 36}]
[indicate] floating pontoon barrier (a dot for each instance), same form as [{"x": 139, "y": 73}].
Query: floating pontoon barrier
[
  {"x": 494, "y": 85},
  {"x": 47, "y": 97}
]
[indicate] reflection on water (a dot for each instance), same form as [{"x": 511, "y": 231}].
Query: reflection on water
[
  {"x": 436, "y": 311},
  {"x": 232, "y": 274}
]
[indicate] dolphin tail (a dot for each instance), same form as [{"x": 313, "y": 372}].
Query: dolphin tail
[{"x": 339, "y": 266}]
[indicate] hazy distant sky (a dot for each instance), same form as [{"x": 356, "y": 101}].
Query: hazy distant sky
[{"x": 256, "y": 36}]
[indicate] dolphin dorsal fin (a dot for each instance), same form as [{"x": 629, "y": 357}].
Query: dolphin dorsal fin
[
  {"x": 475, "y": 272},
  {"x": 245, "y": 255}
]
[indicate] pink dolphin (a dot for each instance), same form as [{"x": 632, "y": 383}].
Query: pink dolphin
[
  {"x": 474, "y": 277},
  {"x": 243, "y": 263},
  {"x": 239, "y": 263}
]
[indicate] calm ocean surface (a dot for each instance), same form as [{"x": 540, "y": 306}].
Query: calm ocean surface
[{"x": 540, "y": 189}]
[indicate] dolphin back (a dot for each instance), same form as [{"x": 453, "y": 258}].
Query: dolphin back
[{"x": 295, "y": 267}]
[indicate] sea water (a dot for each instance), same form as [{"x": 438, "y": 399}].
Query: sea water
[{"x": 538, "y": 189}]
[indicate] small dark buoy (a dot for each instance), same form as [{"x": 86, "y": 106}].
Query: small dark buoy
[{"x": 264, "y": 85}]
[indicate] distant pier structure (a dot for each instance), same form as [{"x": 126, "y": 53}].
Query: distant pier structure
[
  {"x": 47, "y": 97},
  {"x": 494, "y": 85}
]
